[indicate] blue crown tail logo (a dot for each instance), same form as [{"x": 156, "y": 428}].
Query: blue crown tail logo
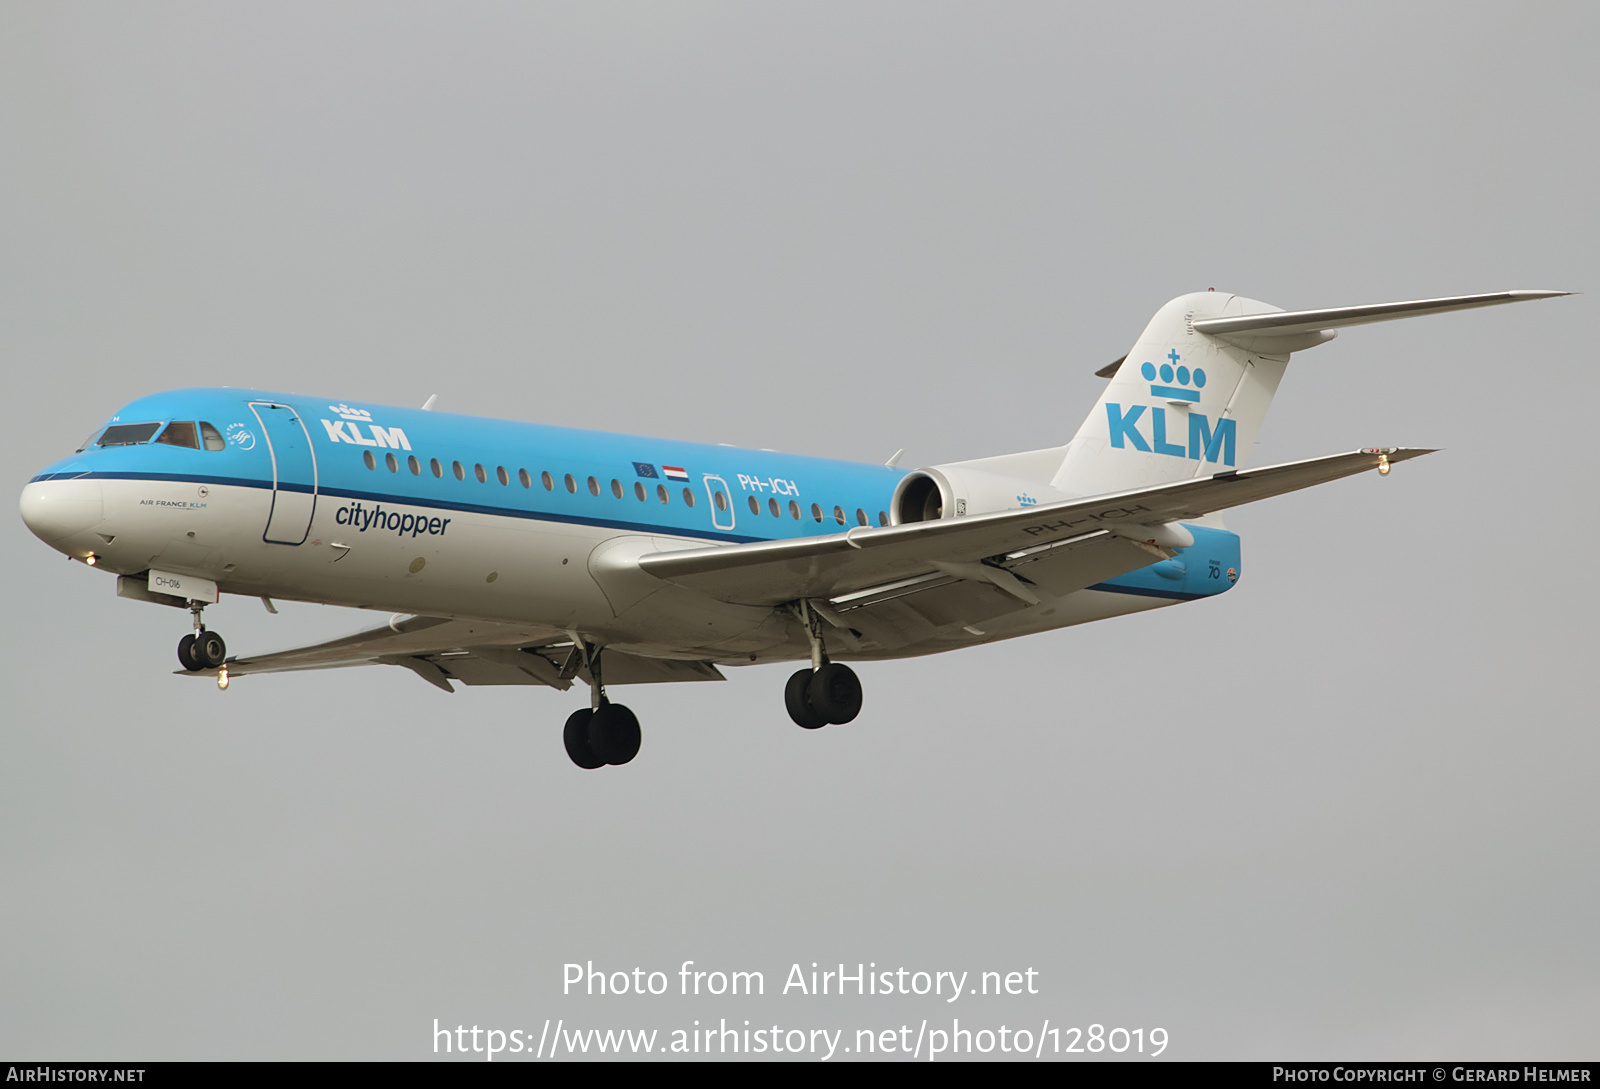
[{"x": 1171, "y": 372}]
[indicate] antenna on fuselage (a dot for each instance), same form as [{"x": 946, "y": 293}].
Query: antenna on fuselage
[{"x": 433, "y": 399}]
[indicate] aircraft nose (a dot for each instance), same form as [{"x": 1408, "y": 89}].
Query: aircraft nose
[{"x": 57, "y": 509}]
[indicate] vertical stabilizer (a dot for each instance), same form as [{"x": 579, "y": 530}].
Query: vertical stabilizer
[
  {"x": 1190, "y": 398},
  {"x": 1182, "y": 404}
]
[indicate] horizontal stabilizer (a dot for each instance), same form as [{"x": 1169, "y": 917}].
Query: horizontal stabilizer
[
  {"x": 1304, "y": 325},
  {"x": 1110, "y": 369}
]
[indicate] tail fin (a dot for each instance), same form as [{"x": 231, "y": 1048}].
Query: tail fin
[{"x": 1190, "y": 397}]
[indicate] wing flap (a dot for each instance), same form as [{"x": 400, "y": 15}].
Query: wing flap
[
  {"x": 773, "y": 572},
  {"x": 922, "y": 607}
]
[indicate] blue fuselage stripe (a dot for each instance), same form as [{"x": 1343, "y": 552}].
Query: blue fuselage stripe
[
  {"x": 416, "y": 501},
  {"x": 439, "y": 461}
]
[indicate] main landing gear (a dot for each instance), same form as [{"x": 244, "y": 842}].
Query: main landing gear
[
  {"x": 203, "y": 648},
  {"x": 604, "y": 732},
  {"x": 826, "y": 694}
]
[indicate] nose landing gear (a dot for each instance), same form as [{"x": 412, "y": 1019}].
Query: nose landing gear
[{"x": 203, "y": 648}]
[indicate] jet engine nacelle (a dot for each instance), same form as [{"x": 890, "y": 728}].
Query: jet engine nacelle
[{"x": 951, "y": 491}]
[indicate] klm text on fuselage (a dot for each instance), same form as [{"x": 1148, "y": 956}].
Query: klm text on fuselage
[{"x": 1203, "y": 441}]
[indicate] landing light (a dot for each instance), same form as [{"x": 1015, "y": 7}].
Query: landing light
[
  {"x": 1383, "y": 464},
  {"x": 91, "y": 559},
  {"x": 222, "y": 677}
]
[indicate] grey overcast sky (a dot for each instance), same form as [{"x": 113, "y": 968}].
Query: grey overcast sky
[{"x": 1347, "y": 810}]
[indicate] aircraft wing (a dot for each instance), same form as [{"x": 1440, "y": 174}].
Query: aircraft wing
[
  {"x": 1073, "y": 544},
  {"x": 440, "y": 650}
]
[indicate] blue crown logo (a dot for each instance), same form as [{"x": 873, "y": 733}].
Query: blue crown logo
[
  {"x": 359, "y": 415},
  {"x": 1174, "y": 372}
]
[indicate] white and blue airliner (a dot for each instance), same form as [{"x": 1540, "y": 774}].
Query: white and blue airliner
[{"x": 514, "y": 553}]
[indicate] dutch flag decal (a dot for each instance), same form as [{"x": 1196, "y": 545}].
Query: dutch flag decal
[{"x": 674, "y": 472}]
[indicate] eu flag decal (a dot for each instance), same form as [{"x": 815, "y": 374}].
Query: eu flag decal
[{"x": 644, "y": 468}]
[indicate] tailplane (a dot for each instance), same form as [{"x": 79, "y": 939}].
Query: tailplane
[{"x": 1191, "y": 396}]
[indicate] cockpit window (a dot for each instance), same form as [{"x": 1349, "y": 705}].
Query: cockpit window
[
  {"x": 212, "y": 437},
  {"x": 128, "y": 434},
  {"x": 180, "y": 433},
  {"x": 88, "y": 442}
]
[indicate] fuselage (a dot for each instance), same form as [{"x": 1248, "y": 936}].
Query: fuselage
[{"x": 431, "y": 513}]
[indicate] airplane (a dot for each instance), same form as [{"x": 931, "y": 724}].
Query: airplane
[{"x": 515, "y": 553}]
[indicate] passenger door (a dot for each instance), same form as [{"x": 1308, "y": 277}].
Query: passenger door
[
  {"x": 294, "y": 473},
  {"x": 721, "y": 502}
]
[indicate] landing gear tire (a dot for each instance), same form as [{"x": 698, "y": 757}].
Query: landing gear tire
[
  {"x": 208, "y": 650},
  {"x": 186, "y": 653},
  {"x": 797, "y": 700},
  {"x": 835, "y": 692},
  {"x": 614, "y": 733},
  {"x": 576, "y": 736}
]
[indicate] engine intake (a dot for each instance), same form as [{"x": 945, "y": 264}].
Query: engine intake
[
  {"x": 920, "y": 497},
  {"x": 951, "y": 491}
]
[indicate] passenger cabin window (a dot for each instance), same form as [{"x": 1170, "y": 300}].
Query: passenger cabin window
[
  {"x": 128, "y": 434},
  {"x": 547, "y": 480},
  {"x": 616, "y": 488},
  {"x": 366, "y": 456},
  {"x": 438, "y": 470},
  {"x": 414, "y": 465},
  {"x": 755, "y": 505},
  {"x": 661, "y": 492},
  {"x": 794, "y": 510},
  {"x": 688, "y": 498},
  {"x": 211, "y": 437},
  {"x": 483, "y": 477},
  {"x": 389, "y": 460},
  {"x": 502, "y": 476},
  {"x": 455, "y": 467},
  {"x": 180, "y": 433},
  {"x": 524, "y": 479}
]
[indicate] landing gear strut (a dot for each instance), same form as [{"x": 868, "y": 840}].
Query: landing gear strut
[
  {"x": 828, "y": 692},
  {"x": 202, "y": 648},
  {"x": 605, "y": 732}
]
